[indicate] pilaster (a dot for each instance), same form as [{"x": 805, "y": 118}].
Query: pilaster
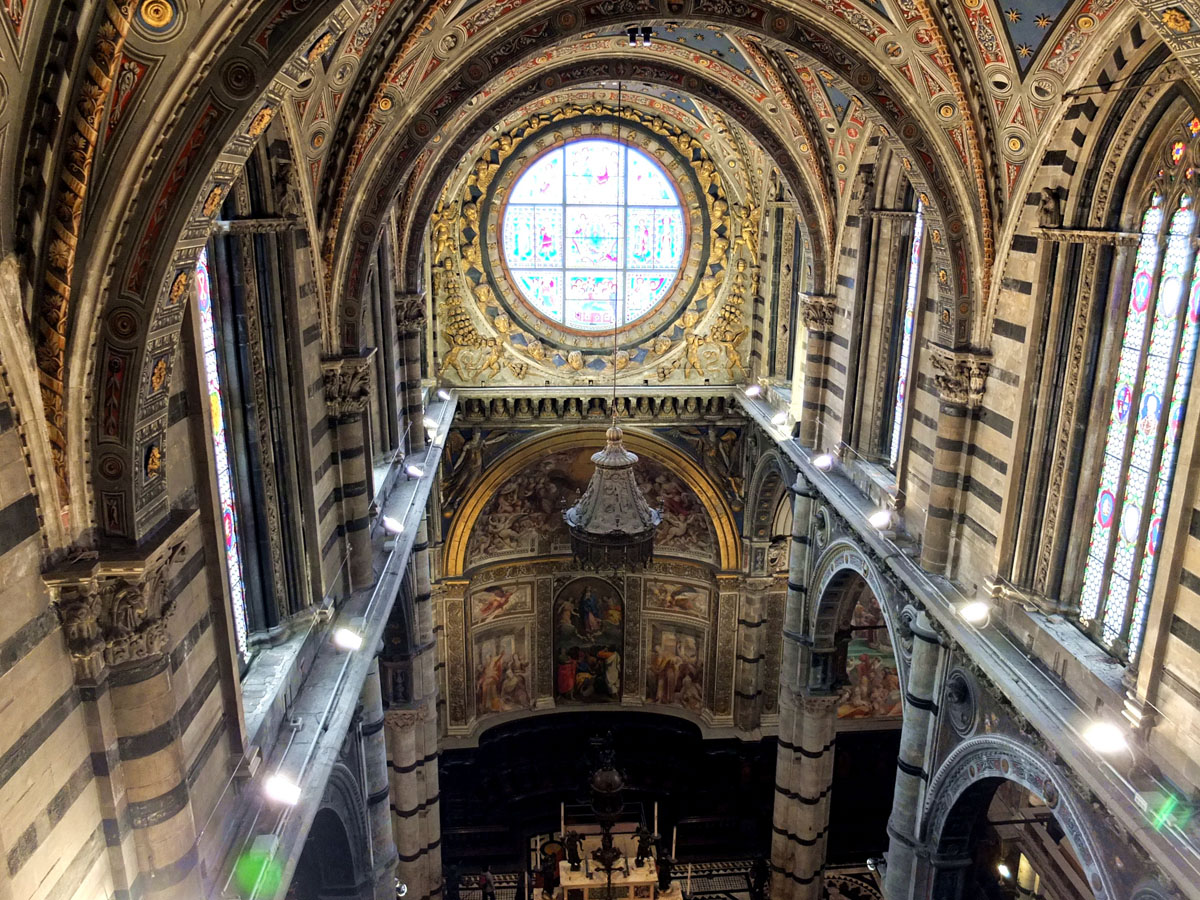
[
  {"x": 410, "y": 328},
  {"x": 960, "y": 379},
  {"x": 817, "y": 313},
  {"x": 347, "y": 394},
  {"x": 116, "y": 610}
]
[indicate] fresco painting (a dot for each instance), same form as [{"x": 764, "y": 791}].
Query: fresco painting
[
  {"x": 677, "y": 596},
  {"x": 589, "y": 641},
  {"x": 873, "y": 688},
  {"x": 674, "y": 667},
  {"x": 502, "y": 681},
  {"x": 524, "y": 517},
  {"x": 495, "y": 600}
]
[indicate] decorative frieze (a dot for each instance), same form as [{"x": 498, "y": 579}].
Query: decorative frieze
[
  {"x": 348, "y": 384},
  {"x": 960, "y": 376},
  {"x": 273, "y": 225}
]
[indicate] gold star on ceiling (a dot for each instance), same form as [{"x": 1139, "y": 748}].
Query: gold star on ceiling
[
  {"x": 1043, "y": 21},
  {"x": 1014, "y": 15},
  {"x": 1024, "y": 51}
]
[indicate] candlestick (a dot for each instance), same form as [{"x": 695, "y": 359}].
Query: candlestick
[
  {"x": 656, "y": 817},
  {"x": 562, "y": 814},
  {"x": 689, "y": 882},
  {"x": 674, "y": 838}
]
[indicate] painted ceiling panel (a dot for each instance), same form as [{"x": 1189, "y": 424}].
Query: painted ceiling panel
[
  {"x": 1028, "y": 23},
  {"x": 714, "y": 43}
]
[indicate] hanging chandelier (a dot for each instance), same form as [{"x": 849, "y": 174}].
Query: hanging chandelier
[{"x": 612, "y": 526}]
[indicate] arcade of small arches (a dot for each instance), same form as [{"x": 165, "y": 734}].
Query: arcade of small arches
[{"x": 314, "y": 315}]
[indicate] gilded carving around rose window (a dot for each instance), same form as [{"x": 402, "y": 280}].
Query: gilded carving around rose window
[{"x": 699, "y": 332}]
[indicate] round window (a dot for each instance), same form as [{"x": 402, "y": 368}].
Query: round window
[{"x": 594, "y": 235}]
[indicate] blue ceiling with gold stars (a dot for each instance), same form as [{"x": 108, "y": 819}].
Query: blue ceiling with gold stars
[{"x": 1029, "y": 24}]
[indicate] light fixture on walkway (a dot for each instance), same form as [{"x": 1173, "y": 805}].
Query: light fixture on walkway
[
  {"x": 1105, "y": 737},
  {"x": 977, "y": 612},
  {"x": 823, "y": 461},
  {"x": 282, "y": 789},
  {"x": 347, "y": 638},
  {"x": 612, "y": 526}
]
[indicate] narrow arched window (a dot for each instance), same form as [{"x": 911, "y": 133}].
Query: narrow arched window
[
  {"x": 1154, "y": 374},
  {"x": 907, "y": 334},
  {"x": 224, "y": 470}
]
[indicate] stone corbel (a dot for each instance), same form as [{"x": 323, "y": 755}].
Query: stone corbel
[
  {"x": 348, "y": 384},
  {"x": 959, "y": 375},
  {"x": 817, "y": 311},
  {"x": 407, "y": 718},
  {"x": 1089, "y": 236},
  {"x": 114, "y": 605},
  {"x": 410, "y": 312}
]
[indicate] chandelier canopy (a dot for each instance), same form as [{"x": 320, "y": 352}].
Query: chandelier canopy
[{"x": 612, "y": 526}]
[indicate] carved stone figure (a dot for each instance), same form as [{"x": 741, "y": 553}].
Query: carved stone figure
[{"x": 1050, "y": 209}]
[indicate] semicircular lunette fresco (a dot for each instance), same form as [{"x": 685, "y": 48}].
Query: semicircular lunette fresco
[{"x": 524, "y": 517}]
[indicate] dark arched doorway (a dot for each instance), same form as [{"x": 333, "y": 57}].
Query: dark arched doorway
[
  {"x": 1001, "y": 840},
  {"x": 326, "y": 868}
]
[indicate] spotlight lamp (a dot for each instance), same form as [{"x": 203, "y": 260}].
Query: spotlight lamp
[
  {"x": 754, "y": 390},
  {"x": 347, "y": 639},
  {"x": 880, "y": 519},
  {"x": 977, "y": 612},
  {"x": 1105, "y": 737},
  {"x": 282, "y": 789},
  {"x": 392, "y": 525},
  {"x": 639, "y": 36},
  {"x": 1004, "y": 870},
  {"x": 443, "y": 394},
  {"x": 414, "y": 471},
  {"x": 780, "y": 418},
  {"x": 823, "y": 461}
]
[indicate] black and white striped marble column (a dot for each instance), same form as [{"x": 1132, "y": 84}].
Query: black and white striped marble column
[{"x": 347, "y": 393}]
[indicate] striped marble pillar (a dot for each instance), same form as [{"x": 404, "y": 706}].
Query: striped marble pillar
[
  {"x": 412, "y": 743},
  {"x": 347, "y": 394},
  {"x": 371, "y": 732},
  {"x": 797, "y": 840},
  {"x": 817, "y": 311},
  {"x": 751, "y": 653},
  {"x": 912, "y": 773},
  {"x": 115, "y": 615},
  {"x": 410, "y": 329},
  {"x": 959, "y": 378}
]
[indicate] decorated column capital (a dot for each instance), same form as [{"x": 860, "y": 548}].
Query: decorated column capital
[
  {"x": 959, "y": 375},
  {"x": 116, "y": 610},
  {"x": 817, "y": 704},
  {"x": 407, "y": 718},
  {"x": 817, "y": 311},
  {"x": 410, "y": 312},
  {"x": 348, "y": 384}
]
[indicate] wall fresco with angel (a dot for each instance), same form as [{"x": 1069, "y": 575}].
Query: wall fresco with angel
[{"x": 589, "y": 641}]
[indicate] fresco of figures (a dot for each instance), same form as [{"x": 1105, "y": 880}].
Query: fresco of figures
[
  {"x": 502, "y": 682},
  {"x": 873, "y": 689},
  {"x": 589, "y": 641},
  {"x": 524, "y": 517},
  {"x": 495, "y": 600},
  {"x": 672, "y": 595},
  {"x": 674, "y": 667}
]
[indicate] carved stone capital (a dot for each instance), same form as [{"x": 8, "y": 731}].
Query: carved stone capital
[
  {"x": 264, "y": 225},
  {"x": 817, "y": 311},
  {"x": 818, "y": 704},
  {"x": 116, "y": 610},
  {"x": 410, "y": 312},
  {"x": 406, "y": 718},
  {"x": 347, "y": 384},
  {"x": 960, "y": 376}
]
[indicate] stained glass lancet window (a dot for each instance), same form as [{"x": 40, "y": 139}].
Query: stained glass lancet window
[
  {"x": 593, "y": 234},
  {"x": 1154, "y": 373},
  {"x": 212, "y": 374},
  {"x": 906, "y": 337}
]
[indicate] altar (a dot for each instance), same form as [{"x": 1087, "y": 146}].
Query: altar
[{"x": 629, "y": 881}]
